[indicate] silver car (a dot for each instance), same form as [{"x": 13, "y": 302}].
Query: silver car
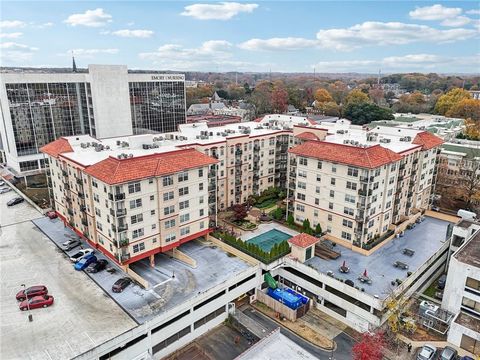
[
  {"x": 427, "y": 352},
  {"x": 4, "y": 190}
]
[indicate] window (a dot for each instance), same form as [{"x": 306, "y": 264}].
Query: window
[
  {"x": 135, "y": 203},
  {"x": 183, "y": 191},
  {"x": 352, "y": 172},
  {"x": 200, "y": 172},
  {"x": 332, "y": 193},
  {"x": 301, "y": 196},
  {"x": 167, "y": 180},
  {"x": 346, "y": 235},
  {"x": 184, "y": 218},
  {"x": 302, "y": 173},
  {"x": 351, "y": 185},
  {"x": 348, "y": 211},
  {"x": 200, "y": 200},
  {"x": 183, "y": 176},
  {"x": 350, "y": 198},
  {"x": 169, "y": 210},
  {"x": 330, "y": 205},
  {"x": 371, "y": 223},
  {"x": 184, "y": 204},
  {"x": 154, "y": 226},
  {"x": 170, "y": 237},
  {"x": 334, "y": 168},
  {"x": 329, "y": 217},
  {"x": 185, "y": 231},
  {"x": 319, "y": 178},
  {"x": 202, "y": 224},
  {"x": 317, "y": 189},
  {"x": 152, "y": 197},
  {"x": 168, "y": 196},
  {"x": 137, "y": 233},
  {"x": 152, "y": 212},
  {"x": 347, "y": 223},
  {"x": 317, "y": 201},
  {"x": 472, "y": 284},
  {"x": 201, "y": 212},
  {"x": 200, "y": 186},
  {"x": 150, "y": 181},
  {"x": 332, "y": 181},
  {"x": 302, "y": 185},
  {"x": 136, "y": 218},
  {"x": 319, "y": 165},
  {"x": 138, "y": 247},
  {"x": 300, "y": 208},
  {"x": 133, "y": 187},
  {"x": 169, "y": 223},
  {"x": 303, "y": 161}
]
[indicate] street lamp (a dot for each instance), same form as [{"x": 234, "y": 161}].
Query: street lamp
[{"x": 30, "y": 316}]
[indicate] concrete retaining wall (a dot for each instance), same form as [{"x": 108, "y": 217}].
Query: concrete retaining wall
[
  {"x": 232, "y": 250},
  {"x": 137, "y": 278}
]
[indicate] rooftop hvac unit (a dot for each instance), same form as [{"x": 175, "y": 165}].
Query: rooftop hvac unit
[
  {"x": 146, "y": 146},
  {"x": 346, "y": 141},
  {"x": 156, "y": 146},
  {"x": 83, "y": 145},
  {"x": 340, "y": 132},
  {"x": 211, "y": 134},
  {"x": 118, "y": 142},
  {"x": 130, "y": 155},
  {"x": 107, "y": 147},
  {"x": 408, "y": 138},
  {"x": 197, "y": 137}
]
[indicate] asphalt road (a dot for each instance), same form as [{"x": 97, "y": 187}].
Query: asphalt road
[{"x": 344, "y": 342}]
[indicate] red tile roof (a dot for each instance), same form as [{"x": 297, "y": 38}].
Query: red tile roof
[
  {"x": 303, "y": 240},
  {"x": 307, "y": 135},
  {"x": 369, "y": 157},
  {"x": 57, "y": 147},
  {"x": 116, "y": 171},
  {"x": 427, "y": 140}
]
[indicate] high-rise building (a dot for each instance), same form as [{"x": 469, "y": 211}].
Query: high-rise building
[{"x": 106, "y": 101}]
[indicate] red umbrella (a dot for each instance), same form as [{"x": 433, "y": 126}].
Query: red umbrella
[{"x": 365, "y": 273}]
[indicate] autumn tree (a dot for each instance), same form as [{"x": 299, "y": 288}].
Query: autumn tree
[
  {"x": 446, "y": 102},
  {"x": 376, "y": 95},
  {"x": 322, "y": 96},
  {"x": 331, "y": 109},
  {"x": 465, "y": 109},
  {"x": 356, "y": 96},
  {"x": 279, "y": 100},
  {"x": 412, "y": 103},
  {"x": 261, "y": 97},
  {"x": 338, "y": 90},
  {"x": 370, "y": 347},
  {"x": 239, "y": 212}
]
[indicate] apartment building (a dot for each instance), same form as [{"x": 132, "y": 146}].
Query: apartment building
[
  {"x": 135, "y": 196},
  {"x": 358, "y": 182},
  {"x": 38, "y": 108},
  {"x": 462, "y": 289}
]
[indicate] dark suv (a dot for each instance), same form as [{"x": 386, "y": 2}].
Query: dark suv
[
  {"x": 121, "y": 284},
  {"x": 15, "y": 201}
]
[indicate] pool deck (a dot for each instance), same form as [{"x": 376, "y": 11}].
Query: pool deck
[
  {"x": 263, "y": 228},
  {"x": 425, "y": 239}
]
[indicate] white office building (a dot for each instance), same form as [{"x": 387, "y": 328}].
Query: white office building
[{"x": 106, "y": 101}]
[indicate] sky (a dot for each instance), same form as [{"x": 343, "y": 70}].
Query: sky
[{"x": 256, "y": 36}]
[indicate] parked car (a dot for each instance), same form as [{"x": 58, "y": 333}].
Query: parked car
[
  {"x": 71, "y": 244},
  {"x": 427, "y": 352},
  {"x": 466, "y": 358},
  {"x": 97, "y": 266},
  {"x": 4, "y": 190},
  {"x": 448, "y": 353},
  {"x": 85, "y": 261},
  {"x": 37, "y": 290},
  {"x": 51, "y": 214},
  {"x": 2, "y": 183},
  {"x": 80, "y": 254},
  {"x": 36, "y": 302},
  {"x": 441, "y": 282},
  {"x": 15, "y": 201},
  {"x": 121, "y": 284}
]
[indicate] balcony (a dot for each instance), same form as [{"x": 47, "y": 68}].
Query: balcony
[
  {"x": 256, "y": 148},
  {"x": 79, "y": 181},
  {"x": 212, "y": 187},
  {"x": 123, "y": 242},
  {"x": 409, "y": 204},
  {"x": 415, "y": 162},
  {"x": 70, "y": 212},
  {"x": 401, "y": 167},
  {"x": 84, "y": 222},
  {"x": 124, "y": 257},
  {"x": 365, "y": 192},
  {"x": 64, "y": 173},
  {"x": 360, "y": 205},
  {"x": 238, "y": 162},
  {"x": 68, "y": 199},
  {"x": 122, "y": 227},
  {"x": 83, "y": 208},
  {"x": 119, "y": 196},
  {"x": 256, "y": 176},
  {"x": 121, "y": 212},
  {"x": 238, "y": 152},
  {"x": 81, "y": 195},
  {"x": 401, "y": 177}
]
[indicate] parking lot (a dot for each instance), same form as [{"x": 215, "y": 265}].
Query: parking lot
[{"x": 81, "y": 317}]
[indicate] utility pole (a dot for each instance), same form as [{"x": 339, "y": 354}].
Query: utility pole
[
  {"x": 30, "y": 316},
  {"x": 314, "y": 74}
]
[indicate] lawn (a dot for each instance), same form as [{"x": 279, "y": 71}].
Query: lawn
[
  {"x": 267, "y": 204},
  {"x": 430, "y": 291}
]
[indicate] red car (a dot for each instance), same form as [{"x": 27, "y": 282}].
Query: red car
[
  {"x": 38, "y": 290},
  {"x": 36, "y": 302},
  {"x": 52, "y": 214}
]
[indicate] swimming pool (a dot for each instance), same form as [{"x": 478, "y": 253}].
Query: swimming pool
[{"x": 269, "y": 238}]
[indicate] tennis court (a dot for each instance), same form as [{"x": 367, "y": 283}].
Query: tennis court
[{"x": 269, "y": 238}]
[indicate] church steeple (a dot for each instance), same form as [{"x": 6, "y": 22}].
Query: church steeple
[{"x": 74, "y": 66}]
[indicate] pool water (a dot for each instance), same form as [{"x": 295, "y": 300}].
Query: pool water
[{"x": 269, "y": 238}]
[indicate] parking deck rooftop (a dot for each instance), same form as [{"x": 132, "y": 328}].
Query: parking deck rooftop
[
  {"x": 425, "y": 239},
  {"x": 214, "y": 267}
]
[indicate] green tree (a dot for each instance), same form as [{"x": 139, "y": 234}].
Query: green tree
[
  {"x": 364, "y": 113},
  {"x": 306, "y": 226},
  {"x": 318, "y": 229},
  {"x": 290, "y": 219}
]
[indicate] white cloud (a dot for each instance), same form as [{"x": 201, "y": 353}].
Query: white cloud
[
  {"x": 90, "y": 18},
  {"x": 89, "y": 53},
  {"x": 405, "y": 63},
  {"x": 14, "y": 35},
  {"x": 473, "y": 12},
  {"x": 391, "y": 33},
  {"x": 212, "y": 55},
  {"x": 457, "y": 21},
  {"x": 45, "y": 25},
  {"x": 133, "y": 33},
  {"x": 11, "y": 24},
  {"x": 220, "y": 11},
  {"x": 434, "y": 12},
  {"x": 15, "y": 53},
  {"x": 288, "y": 43}
]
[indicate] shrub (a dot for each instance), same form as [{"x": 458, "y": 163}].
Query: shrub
[
  {"x": 318, "y": 229},
  {"x": 290, "y": 219}
]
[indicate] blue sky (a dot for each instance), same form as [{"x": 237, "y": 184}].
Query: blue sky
[{"x": 330, "y": 36}]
